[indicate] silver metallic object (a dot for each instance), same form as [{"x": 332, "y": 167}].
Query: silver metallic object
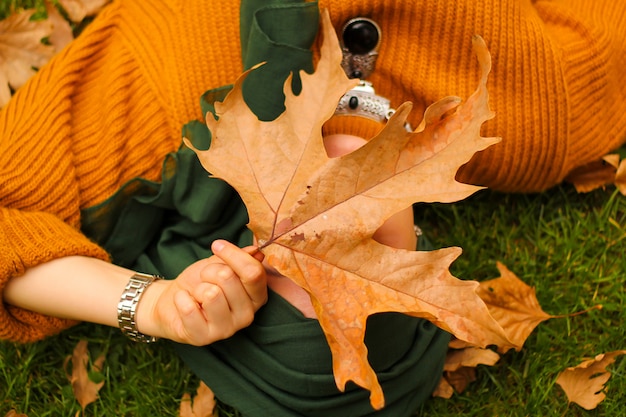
[
  {"x": 360, "y": 40},
  {"x": 127, "y": 307},
  {"x": 363, "y": 101}
]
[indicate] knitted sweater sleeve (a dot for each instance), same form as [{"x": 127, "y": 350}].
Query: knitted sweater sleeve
[
  {"x": 106, "y": 109},
  {"x": 49, "y": 161}
]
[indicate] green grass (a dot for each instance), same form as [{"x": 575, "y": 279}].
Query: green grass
[
  {"x": 10, "y": 6},
  {"x": 569, "y": 246}
]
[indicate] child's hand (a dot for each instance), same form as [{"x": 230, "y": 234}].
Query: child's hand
[{"x": 210, "y": 300}]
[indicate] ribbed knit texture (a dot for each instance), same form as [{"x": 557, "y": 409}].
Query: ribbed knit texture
[
  {"x": 111, "y": 105},
  {"x": 557, "y": 85},
  {"x": 355, "y": 125},
  {"x": 106, "y": 109}
]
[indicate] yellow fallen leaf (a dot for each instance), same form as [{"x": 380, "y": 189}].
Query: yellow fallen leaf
[
  {"x": 459, "y": 368},
  {"x": 61, "y": 33},
  {"x": 444, "y": 389},
  {"x": 85, "y": 390},
  {"x": 461, "y": 378},
  {"x": 620, "y": 177},
  {"x": 13, "y": 413},
  {"x": 514, "y": 305},
  {"x": 594, "y": 175},
  {"x": 469, "y": 357},
  {"x": 77, "y": 10},
  {"x": 203, "y": 404},
  {"x": 584, "y": 384},
  {"x": 21, "y": 49}
]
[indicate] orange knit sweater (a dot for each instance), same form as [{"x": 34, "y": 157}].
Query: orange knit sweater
[{"x": 111, "y": 105}]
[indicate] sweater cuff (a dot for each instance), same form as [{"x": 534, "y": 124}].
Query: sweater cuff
[
  {"x": 352, "y": 125},
  {"x": 28, "y": 239}
]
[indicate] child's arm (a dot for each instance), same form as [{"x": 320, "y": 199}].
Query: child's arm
[{"x": 209, "y": 301}]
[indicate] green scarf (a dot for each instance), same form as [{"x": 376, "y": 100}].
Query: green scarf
[{"x": 281, "y": 364}]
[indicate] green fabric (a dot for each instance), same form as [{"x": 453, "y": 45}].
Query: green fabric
[
  {"x": 281, "y": 364},
  {"x": 278, "y": 33},
  {"x": 168, "y": 226}
]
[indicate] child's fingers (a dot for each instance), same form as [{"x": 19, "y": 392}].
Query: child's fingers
[
  {"x": 215, "y": 307},
  {"x": 231, "y": 304},
  {"x": 193, "y": 321},
  {"x": 247, "y": 267},
  {"x": 205, "y": 315},
  {"x": 255, "y": 252}
]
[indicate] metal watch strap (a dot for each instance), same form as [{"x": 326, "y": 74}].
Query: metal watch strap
[{"x": 127, "y": 307}]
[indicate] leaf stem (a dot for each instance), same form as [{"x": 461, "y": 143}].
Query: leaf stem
[{"x": 578, "y": 313}]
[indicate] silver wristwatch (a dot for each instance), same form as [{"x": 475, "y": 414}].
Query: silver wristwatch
[{"x": 127, "y": 307}]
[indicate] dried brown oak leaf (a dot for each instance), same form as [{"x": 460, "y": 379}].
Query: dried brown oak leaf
[
  {"x": 595, "y": 174},
  {"x": 61, "y": 33},
  {"x": 77, "y": 10},
  {"x": 21, "y": 49},
  {"x": 583, "y": 384},
  {"x": 620, "y": 177},
  {"x": 469, "y": 357},
  {"x": 514, "y": 305},
  {"x": 203, "y": 403},
  {"x": 457, "y": 380},
  {"x": 13, "y": 413},
  {"x": 85, "y": 390},
  {"x": 460, "y": 369},
  {"x": 314, "y": 216}
]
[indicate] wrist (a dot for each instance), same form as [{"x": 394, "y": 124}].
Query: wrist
[
  {"x": 136, "y": 299},
  {"x": 147, "y": 316}
]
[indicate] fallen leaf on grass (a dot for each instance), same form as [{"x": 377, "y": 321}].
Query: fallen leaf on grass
[
  {"x": 584, "y": 384},
  {"x": 21, "y": 49},
  {"x": 203, "y": 404},
  {"x": 85, "y": 390},
  {"x": 444, "y": 389},
  {"x": 598, "y": 174},
  {"x": 61, "y": 33},
  {"x": 620, "y": 177},
  {"x": 14, "y": 413},
  {"x": 514, "y": 305},
  {"x": 77, "y": 10},
  {"x": 314, "y": 216},
  {"x": 469, "y": 357},
  {"x": 460, "y": 379},
  {"x": 460, "y": 369}
]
